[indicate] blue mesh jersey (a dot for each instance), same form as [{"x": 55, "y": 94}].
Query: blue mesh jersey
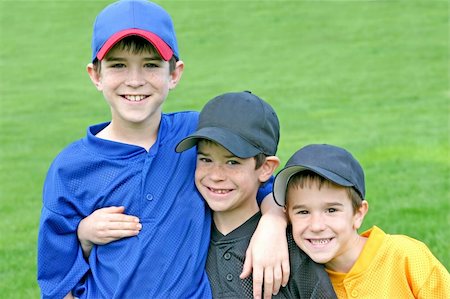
[{"x": 167, "y": 258}]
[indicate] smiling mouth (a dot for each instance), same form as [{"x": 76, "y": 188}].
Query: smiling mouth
[
  {"x": 319, "y": 242},
  {"x": 219, "y": 191},
  {"x": 134, "y": 98}
]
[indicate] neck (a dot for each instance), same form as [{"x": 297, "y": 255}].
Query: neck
[
  {"x": 345, "y": 261},
  {"x": 227, "y": 221},
  {"x": 143, "y": 135}
]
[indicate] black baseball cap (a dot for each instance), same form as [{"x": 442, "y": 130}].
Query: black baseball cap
[
  {"x": 331, "y": 162},
  {"x": 241, "y": 122}
]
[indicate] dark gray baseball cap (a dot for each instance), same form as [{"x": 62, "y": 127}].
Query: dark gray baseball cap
[
  {"x": 241, "y": 122},
  {"x": 329, "y": 161}
]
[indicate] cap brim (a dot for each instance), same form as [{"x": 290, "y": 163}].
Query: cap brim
[
  {"x": 283, "y": 177},
  {"x": 230, "y": 141},
  {"x": 163, "y": 49}
]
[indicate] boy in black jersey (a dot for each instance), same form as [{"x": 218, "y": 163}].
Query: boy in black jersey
[{"x": 237, "y": 139}]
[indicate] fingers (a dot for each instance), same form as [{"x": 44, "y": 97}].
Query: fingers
[
  {"x": 112, "y": 209},
  {"x": 120, "y": 221},
  {"x": 112, "y": 214},
  {"x": 117, "y": 226},
  {"x": 268, "y": 282},
  {"x": 118, "y": 229},
  {"x": 108, "y": 224},
  {"x": 247, "y": 269},
  {"x": 114, "y": 235},
  {"x": 258, "y": 278},
  {"x": 271, "y": 278},
  {"x": 277, "y": 277},
  {"x": 286, "y": 272}
]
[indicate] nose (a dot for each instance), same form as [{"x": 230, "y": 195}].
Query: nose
[
  {"x": 135, "y": 78},
  {"x": 317, "y": 222},
  {"x": 216, "y": 173}
]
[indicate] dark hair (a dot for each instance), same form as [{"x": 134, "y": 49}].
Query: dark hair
[
  {"x": 259, "y": 158},
  {"x": 136, "y": 45},
  {"x": 308, "y": 178}
]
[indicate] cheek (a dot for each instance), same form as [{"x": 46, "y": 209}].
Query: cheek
[
  {"x": 198, "y": 174},
  {"x": 107, "y": 84},
  {"x": 201, "y": 170},
  {"x": 297, "y": 226},
  {"x": 297, "y": 234}
]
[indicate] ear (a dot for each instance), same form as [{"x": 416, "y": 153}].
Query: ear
[
  {"x": 268, "y": 168},
  {"x": 95, "y": 76},
  {"x": 175, "y": 76},
  {"x": 286, "y": 212},
  {"x": 360, "y": 214}
]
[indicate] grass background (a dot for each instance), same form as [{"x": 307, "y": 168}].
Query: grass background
[{"x": 371, "y": 76}]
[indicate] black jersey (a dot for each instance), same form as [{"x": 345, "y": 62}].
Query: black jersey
[{"x": 226, "y": 257}]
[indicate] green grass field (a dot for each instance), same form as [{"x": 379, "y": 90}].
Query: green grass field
[{"x": 371, "y": 76}]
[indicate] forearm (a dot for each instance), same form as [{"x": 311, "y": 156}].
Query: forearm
[
  {"x": 268, "y": 255},
  {"x": 83, "y": 238},
  {"x": 270, "y": 209}
]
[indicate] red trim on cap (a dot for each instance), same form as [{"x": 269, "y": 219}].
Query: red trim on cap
[{"x": 164, "y": 50}]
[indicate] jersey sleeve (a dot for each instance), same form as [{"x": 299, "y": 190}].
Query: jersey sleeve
[
  {"x": 60, "y": 262},
  {"x": 264, "y": 190},
  {"x": 436, "y": 282}
]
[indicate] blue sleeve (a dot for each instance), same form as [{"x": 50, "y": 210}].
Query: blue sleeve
[
  {"x": 265, "y": 190},
  {"x": 60, "y": 262}
]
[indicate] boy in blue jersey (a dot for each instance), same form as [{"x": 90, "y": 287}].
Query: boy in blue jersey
[
  {"x": 235, "y": 155},
  {"x": 130, "y": 163}
]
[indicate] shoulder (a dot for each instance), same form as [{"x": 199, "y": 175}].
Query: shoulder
[
  {"x": 176, "y": 126},
  {"x": 403, "y": 250},
  {"x": 424, "y": 271},
  {"x": 183, "y": 118},
  {"x": 70, "y": 154},
  {"x": 70, "y": 159},
  {"x": 414, "y": 249}
]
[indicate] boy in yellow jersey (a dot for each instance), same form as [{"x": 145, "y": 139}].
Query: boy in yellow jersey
[{"x": 322, "y": 189}]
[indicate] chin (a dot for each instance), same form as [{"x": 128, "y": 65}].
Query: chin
[
  {"x": 320, "y": 259},
  {"x": 216, "y": 207}
]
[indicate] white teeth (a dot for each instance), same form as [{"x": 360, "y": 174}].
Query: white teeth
[
  {"x": 320, "y": 241},
  {"x": 219, "y": 191},
  {"x": 134, "y": 98}
]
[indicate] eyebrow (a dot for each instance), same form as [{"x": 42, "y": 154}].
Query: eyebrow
[
  {"x": 294, "y": 207},
  {"x": 227, "y": 156},
  {"x": 328, "y": 204},
  {"x": 334, "y": 203},
  {"x": 201, "y": 153},
  {"x": 113, "y": 58}
]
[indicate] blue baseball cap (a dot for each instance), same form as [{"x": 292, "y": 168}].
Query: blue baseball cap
[
  {"x": 330, "y": 162},
  {"x": 134, "y": 17}
]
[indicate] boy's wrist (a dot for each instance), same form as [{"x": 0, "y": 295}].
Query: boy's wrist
[{"x": 276, "y": 218}]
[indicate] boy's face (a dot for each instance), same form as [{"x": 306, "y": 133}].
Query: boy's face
[
  {"x": 324, "y": 224},
  {"x": 135, "y": 85},
  {"x": 226, "y": 182}
]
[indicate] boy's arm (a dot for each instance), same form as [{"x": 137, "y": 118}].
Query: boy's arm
[
  {"x": 61, "y": 265},
  {"x": 104, "y": 226},
  {"x": 267, "y": 253}
]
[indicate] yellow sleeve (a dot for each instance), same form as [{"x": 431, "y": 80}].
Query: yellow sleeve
[{"x": 437, "y": 285}]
